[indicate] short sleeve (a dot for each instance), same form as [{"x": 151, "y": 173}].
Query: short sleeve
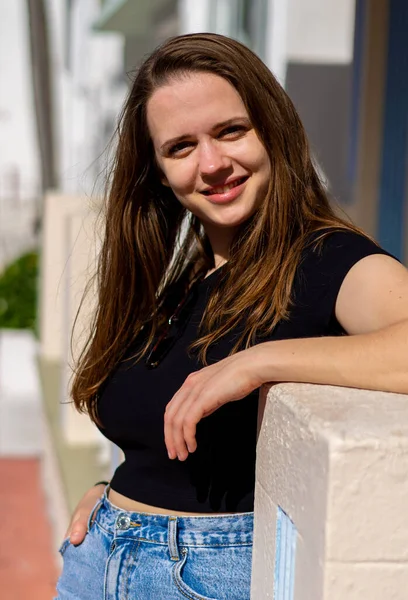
[{"x": 321, "y": 273}]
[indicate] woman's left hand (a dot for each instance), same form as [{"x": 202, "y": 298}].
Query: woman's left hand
[{"x": 202, "y": 393}]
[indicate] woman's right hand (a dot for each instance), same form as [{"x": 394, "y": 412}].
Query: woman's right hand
[{"x": 77, "y": 528}]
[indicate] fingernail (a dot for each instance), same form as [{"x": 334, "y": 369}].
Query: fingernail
[{"x": 75, "y": 535}]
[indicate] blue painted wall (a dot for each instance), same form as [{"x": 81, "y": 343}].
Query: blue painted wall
[
  {"x": 393, "y": 178},
  {"x": 356, "y": 88},
  {"x": 285, "y": 555}
]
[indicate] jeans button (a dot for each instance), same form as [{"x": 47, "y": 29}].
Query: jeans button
[{"x": 123, "y": 522}]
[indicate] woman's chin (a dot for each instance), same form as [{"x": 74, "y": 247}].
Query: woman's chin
[{"x": 229, "y": 221}]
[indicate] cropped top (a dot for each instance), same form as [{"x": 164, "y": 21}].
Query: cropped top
[{"x": 220, "y": 475}]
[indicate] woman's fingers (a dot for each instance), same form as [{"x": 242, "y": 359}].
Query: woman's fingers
[
  {"x": 189, "y": 431},
  {"x": 172, "y": 433},
  {"x": 78, "y": 529},
  {"x": 79, "y": 523},
  {"x": 180, "y": 428},
  {"x": 188, "y": 406},
  {"x": 173, "y": 418},
  {"x": 202, "y": 393}
]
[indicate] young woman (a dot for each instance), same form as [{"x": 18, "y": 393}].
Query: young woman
[{"x": 223, "y": 267}]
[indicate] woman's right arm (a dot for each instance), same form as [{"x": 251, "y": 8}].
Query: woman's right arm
[{"x": 78, "y": 526}]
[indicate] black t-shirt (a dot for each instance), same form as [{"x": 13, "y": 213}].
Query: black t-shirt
[{"x": 220, "y": 475}]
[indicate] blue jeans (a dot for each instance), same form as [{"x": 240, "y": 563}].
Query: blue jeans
[{"x": 139, "y": 556}]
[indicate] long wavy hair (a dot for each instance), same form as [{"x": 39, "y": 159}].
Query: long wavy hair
[{"x": 151, "y": 241}]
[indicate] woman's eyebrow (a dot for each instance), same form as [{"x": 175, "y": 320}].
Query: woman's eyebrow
[{"x": 176, "y": 140}]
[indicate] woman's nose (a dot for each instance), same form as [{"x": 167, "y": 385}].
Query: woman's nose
[{"x": 212, "y": 159}]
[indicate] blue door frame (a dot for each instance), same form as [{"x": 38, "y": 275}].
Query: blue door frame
[{"x": 393, "y": 178}]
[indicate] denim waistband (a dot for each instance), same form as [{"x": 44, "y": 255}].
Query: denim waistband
[{"x": 222, "y": 530}]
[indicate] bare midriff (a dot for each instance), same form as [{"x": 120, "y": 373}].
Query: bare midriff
[{"x": 128, "y": 504}]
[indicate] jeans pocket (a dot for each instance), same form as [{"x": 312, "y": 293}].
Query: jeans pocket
[
  {"x": 83, "y": 570},
  {"x": 185, "y": 589},
  {"x": 64, "y": 546}
]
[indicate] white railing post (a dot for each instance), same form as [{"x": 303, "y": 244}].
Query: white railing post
[{"x": 331, "y": 497}]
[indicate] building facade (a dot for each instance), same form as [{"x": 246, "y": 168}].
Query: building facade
[{"x": 20, "y": 176}]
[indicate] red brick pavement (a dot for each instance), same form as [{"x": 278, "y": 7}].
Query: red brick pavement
[{"x": 27, "y": 561}]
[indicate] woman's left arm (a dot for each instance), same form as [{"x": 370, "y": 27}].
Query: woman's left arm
[{"x": 372, "y": 307}]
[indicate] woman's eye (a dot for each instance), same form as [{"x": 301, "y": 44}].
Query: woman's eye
[
  {"x": 179, "y": 148},
  {"x": 234, "y": 131}
]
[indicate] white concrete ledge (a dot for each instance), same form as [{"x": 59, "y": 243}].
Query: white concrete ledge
[{"x": 335, "y": 460}]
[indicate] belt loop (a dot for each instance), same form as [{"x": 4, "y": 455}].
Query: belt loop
[
  {"x": 172, "y": 538},
  {"x": 93, "y": 513},
  {"x": 106, "y": 492}
]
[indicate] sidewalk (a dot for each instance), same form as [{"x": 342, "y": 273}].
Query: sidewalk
[{"x": 28, "y": 560}]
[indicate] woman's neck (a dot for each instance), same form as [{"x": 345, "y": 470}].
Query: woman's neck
[
  {"x": 218, "y": 263},
  {"x": 220, "y": 240}
]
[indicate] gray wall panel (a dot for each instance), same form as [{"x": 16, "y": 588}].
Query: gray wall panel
[{"x": 322, "y": 96}]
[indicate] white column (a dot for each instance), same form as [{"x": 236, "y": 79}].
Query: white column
[
  {"x": 80, "y": 262},
  {"x": 69, "y": 249},
  {"x": 276, "y": 38},
  {"x": 194, "y": 16},
  {"x": 57, "y": 207}
]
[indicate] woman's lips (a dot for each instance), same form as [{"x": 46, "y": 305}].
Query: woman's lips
[{"x": 226, "y": 193}]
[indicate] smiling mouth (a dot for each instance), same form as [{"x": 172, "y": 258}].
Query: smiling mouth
[{"x": 223, "y": 189}]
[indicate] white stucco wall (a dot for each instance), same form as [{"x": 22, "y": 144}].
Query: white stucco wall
[
  {"x": 320, "y": 31},
  {"x": 335, "y": 461}
]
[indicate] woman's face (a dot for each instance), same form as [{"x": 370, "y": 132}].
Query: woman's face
[{"x": 207, "y": 150}]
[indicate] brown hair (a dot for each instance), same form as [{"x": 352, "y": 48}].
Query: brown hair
[{"x": 143, "y": 253}]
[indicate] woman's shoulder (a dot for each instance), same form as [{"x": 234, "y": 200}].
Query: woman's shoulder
[
  {"x": 336, "y": 250},
  {"x": 327, "y": 257}
]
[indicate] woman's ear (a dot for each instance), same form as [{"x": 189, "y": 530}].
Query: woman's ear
[{"x": 164, "y": 180}]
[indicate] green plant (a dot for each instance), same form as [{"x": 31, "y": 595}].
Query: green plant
[{"x": 18, "y": 293}]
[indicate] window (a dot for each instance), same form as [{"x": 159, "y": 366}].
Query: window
[
  {"x": 252, "y": 24},
  {"x": 244, "y": 20}
]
